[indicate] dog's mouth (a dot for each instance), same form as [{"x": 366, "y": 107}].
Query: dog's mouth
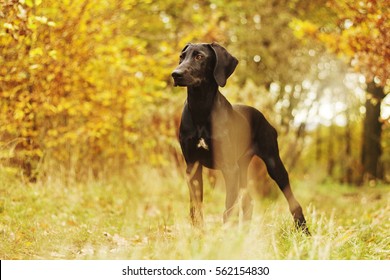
[
  {"x": 185, "y": 82},
  {"x": 179, "y": 82},
  {"x": 182, "y": 82}
]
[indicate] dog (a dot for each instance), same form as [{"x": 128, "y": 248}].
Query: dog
[{"x": 216, "y": 134}]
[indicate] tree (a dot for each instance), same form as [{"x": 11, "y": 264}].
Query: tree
[
  {"x": 79, "y": 80},
  {"x": 359, "y": 33},
  {"x": 372, "y": 132}
]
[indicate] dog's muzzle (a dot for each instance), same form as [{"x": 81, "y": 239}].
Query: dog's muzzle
[{"x": 178, "y": 76}]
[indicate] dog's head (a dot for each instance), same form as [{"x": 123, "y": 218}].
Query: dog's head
[{"x": 203, "y": 63}]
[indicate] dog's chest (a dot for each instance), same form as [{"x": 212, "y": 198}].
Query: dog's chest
[
  {"x": 202, "y": 144},
  {"x": 203, "y": 137}
]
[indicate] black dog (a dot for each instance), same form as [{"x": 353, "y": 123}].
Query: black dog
[{"x": 217, "y": 135}]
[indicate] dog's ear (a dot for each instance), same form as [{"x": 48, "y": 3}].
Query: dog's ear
[
  {"x": 185, "y": 47},
  {"x": 225, "y": 64}
]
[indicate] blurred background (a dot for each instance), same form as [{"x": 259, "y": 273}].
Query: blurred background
[{"x": 86, "y": 90}]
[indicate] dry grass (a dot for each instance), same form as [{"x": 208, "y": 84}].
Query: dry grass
[{"x": 145, "y": 216}]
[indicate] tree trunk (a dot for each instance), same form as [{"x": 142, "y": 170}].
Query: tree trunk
[
  {"x": 318, "y": 144},
  {"x": 372, "y": 130},
  {"x": 348, "y": 175},
  {"x": 331, "y": 155}
]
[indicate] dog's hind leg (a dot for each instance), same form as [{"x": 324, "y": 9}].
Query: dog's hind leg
[{"x": 279, "y": 174}]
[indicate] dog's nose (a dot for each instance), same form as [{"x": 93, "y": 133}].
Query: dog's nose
[{"x": 177, "y": 74}]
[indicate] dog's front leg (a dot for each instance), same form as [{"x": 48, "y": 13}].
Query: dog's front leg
[
  {"x": 195, "y": 185},
  {"x": 231, "y": 174}
]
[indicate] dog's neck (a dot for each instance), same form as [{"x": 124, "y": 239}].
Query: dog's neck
[{"x": 201, "y": 100}]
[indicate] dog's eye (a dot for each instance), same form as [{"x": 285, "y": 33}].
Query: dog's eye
[{"x": 198, "y": 57}]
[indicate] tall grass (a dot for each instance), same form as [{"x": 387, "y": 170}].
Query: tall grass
[{"x": 144, "y": 215}]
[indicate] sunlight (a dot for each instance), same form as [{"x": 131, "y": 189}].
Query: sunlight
[
  {"x": 330, "y": 112},
  {"x": 385, "y": 110},
  {"x": 331, "y": 104},
  {"x": 326, "y": 111}
]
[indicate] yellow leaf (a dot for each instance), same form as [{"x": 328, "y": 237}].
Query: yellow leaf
[
  {"x": 36, "y": 52},
  {"x": 19, "y": 114},
  {"x": 8, "y": 26},
  {"x": 53, "y": 54},
  {"x": 43, "y": 20}
]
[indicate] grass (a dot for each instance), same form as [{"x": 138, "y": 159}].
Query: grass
[{"x": 145, "y": 216}]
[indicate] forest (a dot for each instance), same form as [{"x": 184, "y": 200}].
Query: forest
[{"x": 90, "y": 163}]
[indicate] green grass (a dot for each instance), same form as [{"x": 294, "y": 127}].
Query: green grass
[{"x": 145, "y": 216}]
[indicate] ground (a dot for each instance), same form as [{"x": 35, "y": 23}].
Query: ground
[{"x": 146, "y": 217}]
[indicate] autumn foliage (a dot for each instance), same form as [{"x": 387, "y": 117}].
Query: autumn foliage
[
  {"x": 79, "y": 83},
  {"x": 85, "y": 85},
  {"x": 359, "y": 32}
]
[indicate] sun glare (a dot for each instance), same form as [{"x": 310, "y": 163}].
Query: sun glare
[{"x": 331, "y": 104}]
